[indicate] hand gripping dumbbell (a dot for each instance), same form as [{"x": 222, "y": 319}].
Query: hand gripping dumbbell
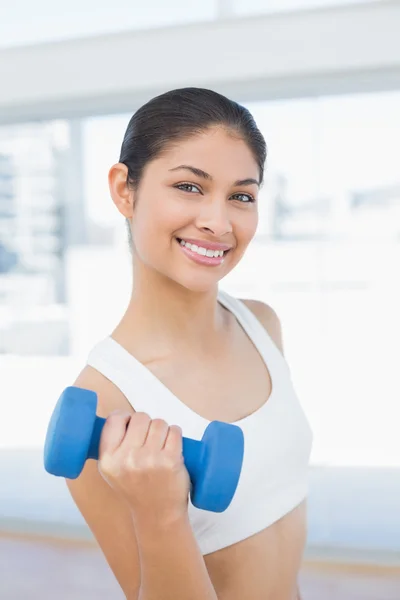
[{"x": 214, "y": 463}]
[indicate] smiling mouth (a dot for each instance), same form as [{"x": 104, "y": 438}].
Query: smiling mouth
[
  {"x": 202, "y": 255},
  {"x": 202, "y": 250}
]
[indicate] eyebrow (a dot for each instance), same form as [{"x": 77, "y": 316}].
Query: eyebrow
[{"x": 207, "y": 176}]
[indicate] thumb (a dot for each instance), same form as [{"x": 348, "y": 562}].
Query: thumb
[{"x": 113, "y": 432}]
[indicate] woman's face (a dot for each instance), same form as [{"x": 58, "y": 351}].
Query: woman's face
[{"x": 201, "y": 192}]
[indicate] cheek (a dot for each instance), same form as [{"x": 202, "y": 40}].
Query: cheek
[
  {"x": 246, "y": 227},
  {"x": 164, "y": 212},
  {"x": 154, "y": 224}
]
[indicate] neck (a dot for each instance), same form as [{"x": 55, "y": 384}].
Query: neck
[{"x": 162, "y": 312}]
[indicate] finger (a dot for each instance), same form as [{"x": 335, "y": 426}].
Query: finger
[
  {"x": 137, "y": 430},
  {"x": 174, "y": 444},
  {"x": 113, "y": 431},
  {"x": 157, "y": 434}
]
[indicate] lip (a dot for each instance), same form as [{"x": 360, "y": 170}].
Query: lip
[
  {"x": 206, "y": 244},
  {"x": 200, "y": 259}
]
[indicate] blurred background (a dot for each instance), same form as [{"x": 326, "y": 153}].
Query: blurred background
[{"x": 322, "y": 78}]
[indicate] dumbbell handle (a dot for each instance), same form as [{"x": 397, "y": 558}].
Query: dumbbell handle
[{"x": 192, "y": 449}]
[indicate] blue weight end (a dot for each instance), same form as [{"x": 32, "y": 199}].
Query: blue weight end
[
  {"x": 220, "y": 466},
  {"x": 69, "y": 432}
]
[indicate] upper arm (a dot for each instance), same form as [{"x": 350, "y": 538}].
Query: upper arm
[
  {"x": 268, "y": 318},
  {"x": 106, "y": 513}
]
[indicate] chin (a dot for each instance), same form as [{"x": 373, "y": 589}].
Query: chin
[
  {"x": 193, "y": 277},
  {"x": 198, "y": 281},
  {"x": 197, "y": 284}
]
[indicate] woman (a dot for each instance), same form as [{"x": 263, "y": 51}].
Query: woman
[{"x": 184, "y": 354}]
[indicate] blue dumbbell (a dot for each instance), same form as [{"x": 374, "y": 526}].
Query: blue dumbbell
[{"x": 214, "y": 464}]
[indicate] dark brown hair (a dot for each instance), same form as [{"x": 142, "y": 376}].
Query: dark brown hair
[{"x": 179, "y": 114}]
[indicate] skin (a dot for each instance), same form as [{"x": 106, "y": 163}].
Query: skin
[{"x": 174, "y": 325}]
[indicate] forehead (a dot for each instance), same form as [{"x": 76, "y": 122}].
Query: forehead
[{"x": 216, "y": 151}]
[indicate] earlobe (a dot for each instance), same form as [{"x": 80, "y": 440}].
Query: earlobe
[{"x": 121, "y": 193}]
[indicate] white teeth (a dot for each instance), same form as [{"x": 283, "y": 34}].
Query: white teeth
[{"x": 202, "y": 251}]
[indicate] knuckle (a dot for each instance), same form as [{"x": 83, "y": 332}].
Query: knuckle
[
  {"x": 117, "y": 415},
  {"x": 140, "y": 417},
  {"x": 171, "y": 462},
  {"x": 106, "y": 464},
  {"x": 175, "y": 429},
  {"x": 152, "y": 462},
  {"x": 130, "y": 463},
  {"x": 159, "y": 424}
]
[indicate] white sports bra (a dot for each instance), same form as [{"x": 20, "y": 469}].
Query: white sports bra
[{"x": 278, "y": 437}]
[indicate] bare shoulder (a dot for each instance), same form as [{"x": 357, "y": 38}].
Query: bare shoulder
[
  {"x": 109, "y": 397},
  {"x": 268, "y": 318}
]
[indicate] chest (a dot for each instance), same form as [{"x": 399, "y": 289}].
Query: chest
[{"x": 227, "y": 385}]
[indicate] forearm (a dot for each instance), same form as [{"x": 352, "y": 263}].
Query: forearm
[{"x": 171, "y": 564}]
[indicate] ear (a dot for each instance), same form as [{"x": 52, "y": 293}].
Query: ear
[{"x": 121, "y": 193}]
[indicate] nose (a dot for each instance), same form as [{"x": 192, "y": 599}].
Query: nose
[{"x": 214, "y": 217}]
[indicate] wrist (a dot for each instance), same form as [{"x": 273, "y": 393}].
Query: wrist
[
  {"x": 154, "y": 521},
  {"x": 155, "y": 533}
]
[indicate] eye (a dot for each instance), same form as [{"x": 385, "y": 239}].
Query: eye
[
  {"x": 245, "y": 198},
  {"x": 187, "y": 187}
]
